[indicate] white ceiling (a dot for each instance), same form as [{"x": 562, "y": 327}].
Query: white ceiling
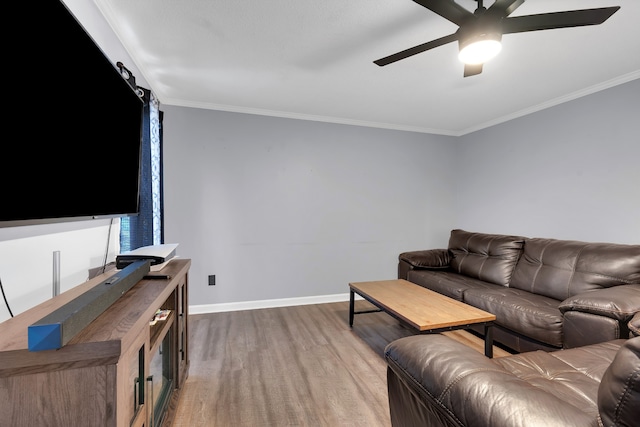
[{"x": 313, "y": 60}]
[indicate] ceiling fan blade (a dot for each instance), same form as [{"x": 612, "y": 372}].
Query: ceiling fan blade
[
  {"x": 416, "y": 49},
  {"x": 447, "y": 9},
  {"x": 549, "y": 21},
  {"x": 505, "y": 7},
  {"x": 472, "y": 70}
]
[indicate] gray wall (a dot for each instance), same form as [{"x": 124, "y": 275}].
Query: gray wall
[
  {"x": 282, "y": 208},
  {"x": 569, "y": 172},
  {"x": 279, "y": 208}
]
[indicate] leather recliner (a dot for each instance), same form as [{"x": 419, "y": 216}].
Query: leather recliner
[{"x": 436, "y": 381}]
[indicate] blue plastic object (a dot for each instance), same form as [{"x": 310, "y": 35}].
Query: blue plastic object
[{"x": 45, "y": 337}]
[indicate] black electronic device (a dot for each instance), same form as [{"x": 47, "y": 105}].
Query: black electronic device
[{"x": 73, "y": 124}]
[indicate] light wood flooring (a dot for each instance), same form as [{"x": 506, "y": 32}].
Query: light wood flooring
[{"x": 291, "y": 366}]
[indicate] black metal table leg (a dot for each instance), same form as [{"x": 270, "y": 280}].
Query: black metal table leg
[
  {"x": 488, "y": 340},
  {"x": 351, "y": 298}
]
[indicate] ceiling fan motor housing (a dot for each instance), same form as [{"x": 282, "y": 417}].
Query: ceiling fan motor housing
[{"x": 482, "y": 27}]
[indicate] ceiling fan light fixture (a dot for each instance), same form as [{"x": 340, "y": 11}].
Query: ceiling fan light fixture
[
  {"x": 480, "y": 48},
  {"x": 479, "y": 34}
]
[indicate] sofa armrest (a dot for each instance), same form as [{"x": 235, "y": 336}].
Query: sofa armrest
[
  {"x": 634, "y": 325},
  {"x": 454, "y": 385},
  {"x": 429, "y": 259},
  {"x": 619, "y": 391},
  {"x": 620, "y": 303}
]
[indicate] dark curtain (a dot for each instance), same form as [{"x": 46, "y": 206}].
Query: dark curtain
[
  {"x": 161, "y": 166},
  {"x": 137, "y": 231}
]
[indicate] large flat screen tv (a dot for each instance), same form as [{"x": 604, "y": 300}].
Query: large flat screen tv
[{"x": 72, "y": 123}]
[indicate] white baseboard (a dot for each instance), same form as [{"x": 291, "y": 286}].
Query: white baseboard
[{"x": 270, "y": 303}]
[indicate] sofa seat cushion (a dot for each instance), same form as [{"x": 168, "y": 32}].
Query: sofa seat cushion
[
  {"x": 534, "y": 316},
  {"x": 572, "y": 375},
  {"x": 450, "y": 284}
]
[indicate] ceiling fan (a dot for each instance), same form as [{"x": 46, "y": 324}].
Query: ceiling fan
[{"x": 480, "y": 33}]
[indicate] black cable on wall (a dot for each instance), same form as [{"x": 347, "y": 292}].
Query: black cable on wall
[{"x": 5, "y": 298}]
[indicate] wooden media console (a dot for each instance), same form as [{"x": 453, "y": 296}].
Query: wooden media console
[{"x": 121, "y": 370}]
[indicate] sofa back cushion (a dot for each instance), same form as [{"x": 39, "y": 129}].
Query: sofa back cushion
[
  {"x": 619, "y": 390},
  {"x": 562, "y": 268},
  {"x": 488, "y": 257}
]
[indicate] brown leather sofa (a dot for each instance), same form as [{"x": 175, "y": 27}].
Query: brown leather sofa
[
  {"x": 547, "y": 294},
  {"x": 436, "y": 381}
]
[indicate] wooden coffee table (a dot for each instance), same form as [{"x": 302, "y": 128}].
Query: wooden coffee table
[{"x": 420, "y": 308}]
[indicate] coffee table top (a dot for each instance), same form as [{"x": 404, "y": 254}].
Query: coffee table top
[{"x": 419, "y": 307}]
